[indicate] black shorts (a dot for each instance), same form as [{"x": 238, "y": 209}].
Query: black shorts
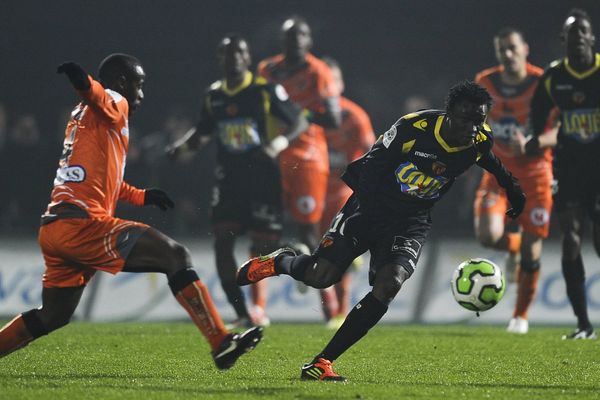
[
  {"x": 248, "y": 205},
  {"x": 578, "y": 186},
  {"x": 395, "y": 239}
]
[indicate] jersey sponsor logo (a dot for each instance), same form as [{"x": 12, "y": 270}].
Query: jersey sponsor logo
[
  {"x": 415, "y": 183},
  {"x": 403, "y": 244},
  {"x": 539, "y": 216},
  {"x": 389, "y": 136},
  {"x": 73, "y": 173},
  {"x": 231, "y": 109},
  {"x": 425, "y": 155},
  {"x": 438, "y": 168},
  {"x": 582, "y": 124},
  {"x": 238, "y": 135},
  {"x": 578, "y": 97},
  {"x": 506, "y": 128},
  {"x": 564, "y": 86}
]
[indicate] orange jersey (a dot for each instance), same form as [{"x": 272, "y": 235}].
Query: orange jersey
[
  {"x": 510, "y": 113},
  {"x": 308, "y": 87},
  {"x": 351, "y": 139},
  {"x": 91, "y": 168}
]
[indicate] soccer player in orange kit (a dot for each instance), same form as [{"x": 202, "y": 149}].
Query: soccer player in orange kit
[{"x": 79, "y": 234}]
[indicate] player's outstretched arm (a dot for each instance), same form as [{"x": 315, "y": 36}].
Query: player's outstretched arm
[
  {"x": 76, "y": 74},
  {"x": 158, "y": 198}
]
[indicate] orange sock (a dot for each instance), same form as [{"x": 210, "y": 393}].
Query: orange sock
[
  {"x": 196, "y": 300},
  {"x": 329, "y": 302},
  {"x": 259, "y": 293},
  {"x": 526, "y": 292},
  {"x": 513, "y": 242},
  {"x": 14, "y": 336}
]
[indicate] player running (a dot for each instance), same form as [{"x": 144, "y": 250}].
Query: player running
[
  {"x": 572, "y": 85},
  {"x": 511, "y": 85},
  {"x": 240, "y": 111},
  {"x": 79, "y": 234},
  {"x": 345, "y": 144},
  {"x": 395, "y": 186}
]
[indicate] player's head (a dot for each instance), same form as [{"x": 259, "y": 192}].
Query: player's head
[
  {"x": 233, "y": 54},
  {"x": 336, "y": 71},
  {"x": 123, "y": 74},
  {"x": 467, "y": 106},
  {"x": 296, "y": 39},
  {"x": 577, "y": 34},
  {"x": 511, "y": 50}
]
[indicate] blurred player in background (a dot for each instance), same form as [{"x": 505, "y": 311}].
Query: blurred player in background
[
  {"x": 395, "y": 185},
  {"x": 240, "y": 112},
  {"x": 79, "y": 233},
  {"x": 511, "y": 85},
  {"x": 348, "y": 142},
  {"x": 572, "y": 85}
]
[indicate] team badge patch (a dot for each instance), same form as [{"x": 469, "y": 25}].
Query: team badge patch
[
  {"x": 389, "y": 136},
  {"x": 539, "y": 216},
  {"x": 438, "y": 168},
  {"x": 406, "y": 245},
  {"x": 326, "y": 242}
]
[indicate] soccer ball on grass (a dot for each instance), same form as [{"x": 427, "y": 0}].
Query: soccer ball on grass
[{"x": 477, "y": 284}]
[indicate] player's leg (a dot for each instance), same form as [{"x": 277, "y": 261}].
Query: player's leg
[
  {"x": 571, "y": 220},
  {"x": 156, "y": 252},
  {"x": 58, "y": 305}
]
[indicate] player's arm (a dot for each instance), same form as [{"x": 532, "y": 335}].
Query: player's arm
[
  {"x": 330, "y": 116},
  {"x": 286, "y": 112},
  {"x": 145, "y": 197},
  {"x": 491, "y": 163},
  {"x": 111, "y": 105},
  {"x": 540, "y": 112},
  {"x": 198, "y": 136}
]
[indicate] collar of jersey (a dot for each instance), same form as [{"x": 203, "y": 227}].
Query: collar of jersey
[
  {"x": 245, "y": 83},
  {"x": 442, "y": 142},
  {"x": 584, "y": 74}
]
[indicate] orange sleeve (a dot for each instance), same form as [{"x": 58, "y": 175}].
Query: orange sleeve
[
  {"x": 326, "y": 84},
  {"x": 108, "y": 103},
  {"x": 261, "y": 69},
  {"x": 132, "y": 194}
]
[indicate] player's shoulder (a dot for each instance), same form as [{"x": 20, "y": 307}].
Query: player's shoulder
[
  {"x": 555, "y": 66},
  {"x": 317, "y": 65},
  {"x": 216, "y": 86},
  {"x": 269, "y": 64},
  {"x": 487, "y": 73},
  {"x": 534, "y": 70},
  {"x": 421, "y": 119},
  {"x": 116, "y": 96}
]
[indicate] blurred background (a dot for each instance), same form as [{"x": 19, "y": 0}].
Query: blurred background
[{"x": 397, "y": 56}]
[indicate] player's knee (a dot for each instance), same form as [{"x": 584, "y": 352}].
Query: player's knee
[
  {"x": 530, "y": 265},
  {"x": 389, "y": 281},
  {"x": 180, "y": 255},
  {"x": 34, "y": 324},
  {"x": 48, "y": 319}
]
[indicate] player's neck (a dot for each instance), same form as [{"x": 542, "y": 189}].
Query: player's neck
[
  {"x": 235, "y": 80},
  {"x": 513, "y": 78},
  {"x": 582, "y": 62}
]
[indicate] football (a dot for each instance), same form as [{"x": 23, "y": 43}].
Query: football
[{"x": 477, "y": 284}]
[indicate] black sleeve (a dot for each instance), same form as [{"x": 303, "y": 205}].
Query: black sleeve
[
  {"x": 493, "y": 165},
  {"x": 541, "y": 105},
  {"x": 280, "y": 105},
  {"x": 206, "y": 124},
  {"x": 383, "y": 157}
]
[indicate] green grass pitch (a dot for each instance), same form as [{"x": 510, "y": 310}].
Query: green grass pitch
[{"x": 171, "y": 361}]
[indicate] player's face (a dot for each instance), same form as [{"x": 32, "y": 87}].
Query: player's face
[
  {"x": 297, "y": 39},
  {"x": 133, "y": 87},
  {"x": 466, "y": 119},
  {"x": 512, "y": 52},
  {"x": 234, "y": 57},
  {"x": 579, "y": 37}
]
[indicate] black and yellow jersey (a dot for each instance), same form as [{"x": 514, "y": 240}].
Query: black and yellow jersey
[
  {"x": 411, "y": 166},
  {"x": 577, "y": 97},
  {"x": 244, "y": 119}
]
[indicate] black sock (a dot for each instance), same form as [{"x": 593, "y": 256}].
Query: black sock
[
  {"x": 364, "y": 315},
  {"x": 235, "y": 296},
  {"x": 295, "y": 266},
  {"x": 575, "y": 280}
]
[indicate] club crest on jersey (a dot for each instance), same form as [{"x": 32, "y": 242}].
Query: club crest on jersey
[
  {"x": 231, "y": 110},
  {"x": 578, "y": 97},
  {"x": 438, "y": 168},
  {"x": 539, "y": 216},
  {"x": 389, "y": 136},
  {"x": 415, "y": 183}
]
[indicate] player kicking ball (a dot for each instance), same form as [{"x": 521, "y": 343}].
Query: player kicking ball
[
  {"x": 395, "y": 186},
  {"x": 79, "y": 234}
]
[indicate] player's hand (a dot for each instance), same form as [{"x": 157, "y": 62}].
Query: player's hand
[
  {"x": 516, "y": 197},
  {"x": 158, "y": 198},
  {"x": 76, "y": 75},
  {"x": 276, "y": 146}
]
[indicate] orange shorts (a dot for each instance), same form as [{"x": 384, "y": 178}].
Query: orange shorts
[
  {"x": 337, "y": 195},
  {"x": 491, "y": 199},
  {"x": 304, "y": 191},
  {"x": 75, "y": 248}
]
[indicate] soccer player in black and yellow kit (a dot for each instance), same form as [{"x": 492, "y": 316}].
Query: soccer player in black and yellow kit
[
  {"x": 395, "y": 186},
  {"x": 572, "y": 85},
  {"x": 245, "y": 115}
]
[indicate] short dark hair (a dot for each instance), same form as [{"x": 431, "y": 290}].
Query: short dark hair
[
  {"x": 115, "y": 65},
  {"x": 468, "y": 91},
  {"x": 230, "y": 38},
  {"x": 578, "y": 13},
  {"x": 507, "y": 31}
]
